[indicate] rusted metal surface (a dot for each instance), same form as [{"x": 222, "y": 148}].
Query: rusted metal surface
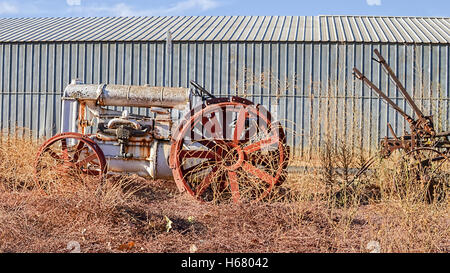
[
  {"x": 212, "y": 145},
  {"x": 129, "y": 95},
  {"x": 67, "y": 154},
  {"x": 131, "y": 143},
  {"x": 422, "y": 131},
  {"x": 241, "y": 138},
  {"x": 82, "y": 122},
  {"x": 422, "y": 136}
]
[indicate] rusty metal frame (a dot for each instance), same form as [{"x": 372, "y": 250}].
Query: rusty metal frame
[{"x": 422, "y": 135}]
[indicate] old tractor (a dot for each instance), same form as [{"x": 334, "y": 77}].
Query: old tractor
[{"x": 223, "y": 148}]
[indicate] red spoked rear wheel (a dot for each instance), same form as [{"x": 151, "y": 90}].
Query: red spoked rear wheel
[
  {"x": 229, "y": 149},
  {"x": 68, "y": 156}
]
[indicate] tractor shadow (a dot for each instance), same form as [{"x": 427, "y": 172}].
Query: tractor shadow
[
  {"x": 146, "y": 190},
  {"x": 145, "y": 223}
]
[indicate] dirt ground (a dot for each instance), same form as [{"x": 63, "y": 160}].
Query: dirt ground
[
  {"x": 156, "y": 218},
  {"x": 132, "y": 214}
]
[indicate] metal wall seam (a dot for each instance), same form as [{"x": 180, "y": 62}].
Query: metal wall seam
[
  {"x": 71, "y": 31},
  {"x": 448, "y": 89},
  {"x": 348, "y": 29},
  {"x": 207, "y": 32},
  {"x": 117, "y": 31},
  {"x": 223, "y": 34},
  {"x": 55, "y": 28},
  {"x": 419, "y": 30},
  {"x": 380, "y": 30},
  {"x": 151, "y": 27},
  {"x": 221, "y": 26},
  {"x": 356, "y": 30},
  {"x": 253, "y": 32},
  {"x": 201, "y": 28},
  {"x": 429, "y": 29},
  {"x": 247, "y": 28},
  {"x": 156, "y": 28},
  {"x": 264, "y": 28},
  {"x": 398, "y": 28},
  {"x": 433, "y": 29},
  {"x": 372, "y": 31},
  {"x": 365, "y": 23},
  {"x": 20, "y": 25},
  {"x": 125, "y": 32},
  {"x": 160, "y": 34},
  {"x": 195, "y": 21}
]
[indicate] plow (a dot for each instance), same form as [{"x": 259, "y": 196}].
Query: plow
[
  {"x": 425, "y": 151},
  {"x": 222, "y": 148}
]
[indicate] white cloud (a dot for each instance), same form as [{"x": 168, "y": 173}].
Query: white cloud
[
  {"x": 373, "y": 2},
  {"x": 192, "y": 4},
  {"x": 123, "y": 9},
  {"x": 8, "y": 8},
  {"x": 73, "y": 2}
]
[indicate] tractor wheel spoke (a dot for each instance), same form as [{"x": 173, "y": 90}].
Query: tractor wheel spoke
[
  {"x": 198, "y": 167},
  {"x": 240, "y": 124},
  {"x": 215, "y": 144},
  {"x": 72, "y": 160},
  {"x": 91, "y": 172},
  {"x": 78, "y": 150},
  {"x": 86, "y": 160},
  {"x": 196, "y": 154},
  {"x": 200, "y": 139},
  {"x": 212, "y": 125},
  {"x": 52, "y": 153},
  {"x": 219, "y": 135},
  {"x": 200, "y": 189},
  {"x": 210, "y": 144},
  {"x": 65, "y": 152},
  {"x": 234, "y": 186},
  {"x": 259, "y": 173},
  {"x": 261, "y": 144}
]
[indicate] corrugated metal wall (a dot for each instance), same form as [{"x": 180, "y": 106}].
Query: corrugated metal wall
[{"x": 310, "y": 86}]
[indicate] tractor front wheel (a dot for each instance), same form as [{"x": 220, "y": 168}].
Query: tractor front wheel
[{"x": 68, "y": 156}]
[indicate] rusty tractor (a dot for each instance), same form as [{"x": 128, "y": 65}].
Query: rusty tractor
[
  {"x": 224, "y": 148},
  {"x": 427, "y": 152}
]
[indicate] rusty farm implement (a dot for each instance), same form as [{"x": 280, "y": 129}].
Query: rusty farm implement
[
  {"x": 425, "y": 151},
  {"x": 224, "y": 148}
]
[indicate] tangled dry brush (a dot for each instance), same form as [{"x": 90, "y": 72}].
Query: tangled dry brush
[{"x": 318, "y": 209}]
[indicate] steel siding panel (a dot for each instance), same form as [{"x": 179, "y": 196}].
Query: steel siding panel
[{"x": 32, "y": 77}]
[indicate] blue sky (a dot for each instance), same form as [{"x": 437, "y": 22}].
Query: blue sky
[{"x": 64, "y": 8}]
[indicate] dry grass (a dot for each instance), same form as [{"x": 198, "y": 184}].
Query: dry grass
[{"x": 317, "y": 212}]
